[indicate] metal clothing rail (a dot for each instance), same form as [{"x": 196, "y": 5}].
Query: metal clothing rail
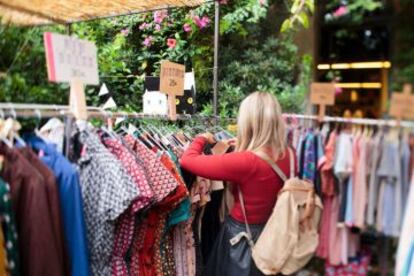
[
  {"x": 355, "y": 121},
  {"x": 47, "y": 111}
]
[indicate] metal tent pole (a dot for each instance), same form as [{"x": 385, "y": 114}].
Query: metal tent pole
[{"x": 216, "y": 49}]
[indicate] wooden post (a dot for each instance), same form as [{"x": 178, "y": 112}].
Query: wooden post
[{"x": 77, "y": 101}]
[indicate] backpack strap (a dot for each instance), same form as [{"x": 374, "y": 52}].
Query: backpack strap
[
  {"x": 247, "y": 235},
  {"x": 281, "y": 174},
  {"x": 272, "y": 164}
]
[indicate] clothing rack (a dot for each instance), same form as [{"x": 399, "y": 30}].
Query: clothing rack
[
  {"x": 354, "y": 121},
  {"x": 47, "y": 111}
]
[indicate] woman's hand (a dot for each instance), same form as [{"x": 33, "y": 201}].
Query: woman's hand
[
  {"x": 209, "y": 137},
  {"x": 231, "y": 142}
]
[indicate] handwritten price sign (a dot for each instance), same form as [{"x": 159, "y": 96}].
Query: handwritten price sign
[
  {"x": 322, "y": 94},
  {"x": 172, "y": 78},
  {"x": 70, "y": 58}
]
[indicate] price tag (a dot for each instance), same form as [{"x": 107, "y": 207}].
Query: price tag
[
  {"x": 172, "y": 78},
  {"x": 402, "y": 104},
  {"x": 172, "y": 83},
  {"x": 70, "y": 58},
  {"x": 73, "y": 61},
  {"x": 322, "y": 94}
]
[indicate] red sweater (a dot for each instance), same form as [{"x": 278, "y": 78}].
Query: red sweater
[{"x": 257, "y": 180}]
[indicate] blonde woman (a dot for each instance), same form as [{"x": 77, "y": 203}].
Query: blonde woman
[{"x": 261, "y": 129}]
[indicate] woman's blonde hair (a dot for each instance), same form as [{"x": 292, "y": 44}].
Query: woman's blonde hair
[{"x": 260, "y": 125}]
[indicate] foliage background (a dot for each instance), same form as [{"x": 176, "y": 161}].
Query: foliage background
[{"x": 253, "y": 56}]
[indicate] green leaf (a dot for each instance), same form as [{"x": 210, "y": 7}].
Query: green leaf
[
  {"x": 303, "y": 18},
  {"x": 285, "y": 26},
  {"x": 311, "y": 5},
  {"x": 295, "y": 6}
]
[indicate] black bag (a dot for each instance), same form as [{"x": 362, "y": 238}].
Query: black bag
[{"x": 233, "y": 260}]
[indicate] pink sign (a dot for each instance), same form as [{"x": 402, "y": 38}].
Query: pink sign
[{"x": 69, "y": 58}]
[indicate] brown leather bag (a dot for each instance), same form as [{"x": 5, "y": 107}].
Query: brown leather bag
[{"x": 290, "y": 236}]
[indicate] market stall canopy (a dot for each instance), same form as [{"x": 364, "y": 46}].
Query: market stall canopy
[{"x": 40, "y": 12}]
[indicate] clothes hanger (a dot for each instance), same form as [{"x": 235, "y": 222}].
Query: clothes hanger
[{"x": 4, "y": 129}]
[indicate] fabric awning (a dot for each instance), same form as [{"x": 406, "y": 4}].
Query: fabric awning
[{"x": 39, "y": 12}]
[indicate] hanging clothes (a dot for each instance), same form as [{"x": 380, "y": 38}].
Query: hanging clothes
[
  {"x": 389, "y": 204},
  {"x": 9, "y": 244},
  {"x": 125, "y": 227},
  {"x": 107, "y": 191},
  {"x": 71, "y": 204},
  {"x": 406, "y": 243},
  {"x": 38, "y": 249}
]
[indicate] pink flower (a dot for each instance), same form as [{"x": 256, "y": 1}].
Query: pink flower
[
  {"x": 157, "y": 27},
  {"x": 342, "y": 10},
  {"x": 201, "y": 23},
  {"x": 224, "y": 2},
  {"x": 187, "y": 28},
  {"x": 159, "y": 16},
  {"x": 125, "y": 32},
  {"x": 171, "y": 42},
  {"x": 338, "y": 90},
  {"x": 144, "y": 26},
  {"x": 262, "y": 2},
  {"x": 148, "y": 41}
]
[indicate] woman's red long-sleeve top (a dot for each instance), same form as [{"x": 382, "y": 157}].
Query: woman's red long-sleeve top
[{"x": 259, "y": 183}]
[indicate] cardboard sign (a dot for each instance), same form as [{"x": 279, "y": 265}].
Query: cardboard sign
[
  {"x": 322, "y": 93},
  {"x": 402, "y": 104},
  {"x": 172, "y": 78},
  {"x": 70, "y": 58}
]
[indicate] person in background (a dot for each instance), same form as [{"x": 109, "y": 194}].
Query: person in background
[{"x": 261, "y": 129}]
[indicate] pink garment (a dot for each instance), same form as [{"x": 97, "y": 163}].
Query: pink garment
[
  {"x": 326, "y": 166},
  {"x": 360, "y": 185},
  {"x": 324, "y": 230},
  {"x": 344, "y": 233},
  {"x": 353, "y": 244},
  {"x": 335, "y": 238},
  {"x": 124, "y": 230},
  {"x": 180, "y": 253},
  {"x": 328, "y": 189}
]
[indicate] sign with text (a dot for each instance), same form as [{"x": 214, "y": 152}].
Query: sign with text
[
  {"x": 322, "y": 93},
  {"x": 402, "y": 104},
  {"x": 172, "y": 78},
  {"x": 70, "y": 58}
]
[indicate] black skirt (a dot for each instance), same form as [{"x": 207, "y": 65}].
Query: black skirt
[{"x": 233, "y": 260}]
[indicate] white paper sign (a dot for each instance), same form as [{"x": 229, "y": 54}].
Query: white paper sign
[
  {"x": 155, "y": 103},
  {"x": 104, "y": 90},
  {"x": 110, "y": 103},
  {"x": 189, "y": 80},
  {"x": 70, "y": 58}
]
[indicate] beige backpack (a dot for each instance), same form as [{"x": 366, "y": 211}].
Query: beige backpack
[{"x": 290, "y": 236}]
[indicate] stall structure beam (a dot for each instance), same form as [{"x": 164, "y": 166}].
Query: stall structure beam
[{"x": 41, "y": 12}]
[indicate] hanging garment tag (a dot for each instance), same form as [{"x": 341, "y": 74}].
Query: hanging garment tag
[
  {"x": 217, "y": 185},
  {"x": 132, "y": 129},
  {"x": 220, "y": 148},
  {"x": 77, "y": 101},
  {"x": 119, "y": 120}
]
